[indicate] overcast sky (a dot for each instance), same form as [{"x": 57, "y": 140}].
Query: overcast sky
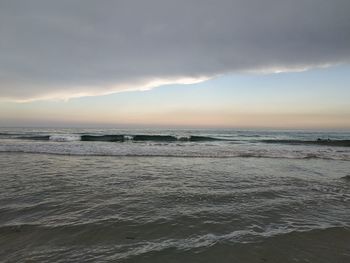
[
  {"x": 68, "y": 48},
  {"x": 59, "y": 57}
]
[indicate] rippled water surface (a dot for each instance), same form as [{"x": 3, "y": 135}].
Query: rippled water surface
[{"x": 73, "y": 201}]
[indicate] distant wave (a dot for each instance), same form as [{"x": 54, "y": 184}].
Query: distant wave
[
  {"x": 102, "y": 138},
  {"x": 168, "y": 138},
  {"x": 146, "y": 137},
  {"x": 344, "y": 143}
]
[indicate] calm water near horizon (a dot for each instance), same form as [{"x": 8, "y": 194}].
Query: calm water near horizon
[{"x": 156, "y": 195}]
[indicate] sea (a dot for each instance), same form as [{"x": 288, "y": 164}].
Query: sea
[{"x": 172, "y": 195}]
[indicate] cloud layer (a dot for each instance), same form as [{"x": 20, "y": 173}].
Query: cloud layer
[{"x": 63, "y": 49}]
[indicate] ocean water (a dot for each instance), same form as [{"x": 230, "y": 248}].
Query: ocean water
[{"x": 111, "y": 195}]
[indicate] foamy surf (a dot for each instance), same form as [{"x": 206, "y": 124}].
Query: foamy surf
[
  {"x": 168, "y": 149},
  {"x": 64, "y": 138}
]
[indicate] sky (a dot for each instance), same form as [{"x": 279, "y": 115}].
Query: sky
[{"x": 160, "y": 63}]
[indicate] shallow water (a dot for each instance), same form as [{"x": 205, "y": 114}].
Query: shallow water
[{"x": 67, "y": 206}]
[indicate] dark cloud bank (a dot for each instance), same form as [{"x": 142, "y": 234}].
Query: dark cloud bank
[{"x": 83, "y": 47}]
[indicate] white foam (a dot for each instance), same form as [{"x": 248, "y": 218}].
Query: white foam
[{"x": 64, "y": 138}]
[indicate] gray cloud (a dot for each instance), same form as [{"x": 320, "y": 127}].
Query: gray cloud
[{"x": 71, "y": 48}]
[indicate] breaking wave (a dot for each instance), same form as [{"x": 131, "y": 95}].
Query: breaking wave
[
  {"x": 113, "y": 138},
  {"x": 178, "y": 144},
  {"x": 167, "y": 138}
]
